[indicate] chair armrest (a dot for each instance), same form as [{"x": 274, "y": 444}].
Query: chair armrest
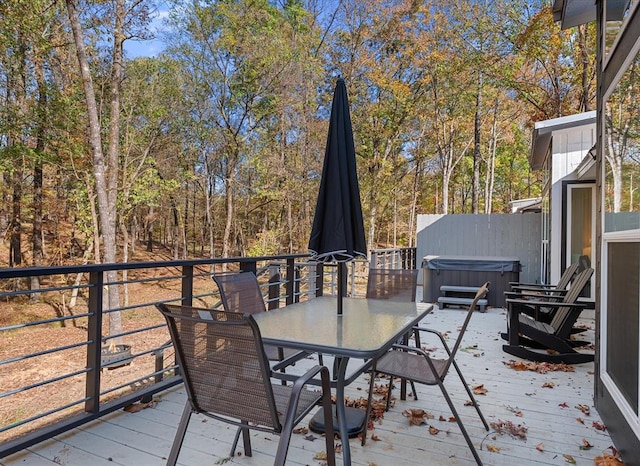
[
  {"x": 555, "y": 304},
  {"x": 411, "y": 349},
  {"x": 531, "y": 285},
  {"x": 292, "y": 408},
  {"x": 435, "y": 332},
  {"x": 540, "y": 296}
]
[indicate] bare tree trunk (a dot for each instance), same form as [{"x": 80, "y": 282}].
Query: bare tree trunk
[
  {"x": 475, "y": 189},
  {"x": 37, "y": 234},
  {"x": 104, "y": 169},
  {"x": 491, "y": 166},
  {"x": 583, "y": 49},
  {"x": 226, "y": 241}
]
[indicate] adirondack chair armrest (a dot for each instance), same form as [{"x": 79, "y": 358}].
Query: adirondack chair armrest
[
  {"x": 539, "y": 290},
  {"x": 536, "y": 286},
  {"x": 539, "y": 296},
  {"x": 556, "y": 304}
]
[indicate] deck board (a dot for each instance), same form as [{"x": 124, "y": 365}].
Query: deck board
[{"x": 550, "y": 415}]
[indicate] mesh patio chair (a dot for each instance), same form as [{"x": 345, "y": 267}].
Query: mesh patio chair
[
  {"x": 392, "y": 284},
  {"x": 413, "y": 363},
  {"x": 227, "y": 377},
  {"x": 240, "y": 292}
]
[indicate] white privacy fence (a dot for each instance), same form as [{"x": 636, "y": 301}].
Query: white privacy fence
[{"x": 516, "y": 235}]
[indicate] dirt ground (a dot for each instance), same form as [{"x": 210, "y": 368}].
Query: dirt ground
[{"x": 19, "y": 372}]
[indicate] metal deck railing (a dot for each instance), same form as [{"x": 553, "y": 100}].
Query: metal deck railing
[{"x": 56, "y": 371}]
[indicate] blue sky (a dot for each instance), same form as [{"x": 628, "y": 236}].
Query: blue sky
[{"x": 149, "y": 48}]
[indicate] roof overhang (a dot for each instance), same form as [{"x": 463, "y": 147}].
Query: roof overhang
[
  {"x": 570, "y": 13},
  {"x": 543, "y": 131},
  {"x": 587, "y": 168}
]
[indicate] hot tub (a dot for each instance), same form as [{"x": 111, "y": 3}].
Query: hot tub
[{"x": 469, "y": 271}]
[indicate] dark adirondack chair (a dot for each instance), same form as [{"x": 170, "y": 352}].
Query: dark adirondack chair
[
  {"x": 525, "y": 334},
  {"x": 227, "y": 377},
  {"x": 559, "y": 289}
]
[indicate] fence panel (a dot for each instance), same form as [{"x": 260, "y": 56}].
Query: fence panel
[{"x": 517, "y": 235}]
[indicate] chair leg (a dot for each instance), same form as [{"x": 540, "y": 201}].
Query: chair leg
[
  {"x": 389, "y": 393},
  {"x": 179, "y": 438},
  {"x": 470, "y": 393},
  {"x": 459, "y": 421},
  {"x": 369, "y": 399},
  {"x": 246, "y": 441}
]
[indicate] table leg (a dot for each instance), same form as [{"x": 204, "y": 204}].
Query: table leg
[{"x": 341, "y": 412}]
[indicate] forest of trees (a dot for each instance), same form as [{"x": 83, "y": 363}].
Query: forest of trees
[{"x": 214, "y": 146}]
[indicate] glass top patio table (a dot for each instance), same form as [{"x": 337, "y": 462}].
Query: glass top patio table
[
  {"x": 367, "y": 327},
  {"x": 366, "y": 330}
]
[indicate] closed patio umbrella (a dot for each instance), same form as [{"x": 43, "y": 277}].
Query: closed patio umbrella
[{"x": 338, "y": 229}]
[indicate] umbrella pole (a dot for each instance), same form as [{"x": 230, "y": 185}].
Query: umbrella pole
[{"x": 342, "y": 283}]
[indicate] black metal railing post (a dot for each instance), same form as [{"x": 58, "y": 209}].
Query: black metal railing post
[
  {"x": 251, "y": 266},
  {"x": 291, "y": 277},
  {"x": 187, "y": 285},
  {"x": 94, "y": 339}
]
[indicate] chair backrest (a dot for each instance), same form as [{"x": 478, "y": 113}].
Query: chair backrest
[
  {"x": 223, "y": 364},
  {"x": 240, "y": 292},
  {"x": 567, "y": 276},
  {"x": 560, "y": 322},
  {"x": 481, "y": 293},
  {"x": 392, "y": 284}
]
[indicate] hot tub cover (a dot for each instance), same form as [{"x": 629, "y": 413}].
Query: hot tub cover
[{"x": 476, "y": 263}]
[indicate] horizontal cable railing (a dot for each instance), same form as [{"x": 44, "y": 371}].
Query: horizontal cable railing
[{"x": 67, "y": 359}]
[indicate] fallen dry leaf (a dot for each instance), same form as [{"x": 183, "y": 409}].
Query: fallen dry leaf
[
  {"x": 580, "y": 420},
  {"x": 540, "y": 367},
  {"x": 417, "y": 416},
  {"x": 515, "y": 411},
  {"x": 310, "y": 437},
  {"x": 585, "y": 445},
  {"x": 548, "y": 385},
  {"x": 433, "y": 430},
  {"x": 540, "y": 447},
  {"x": 569, "y": 459},
  {"x": 492, "y": 448},
  {"x": 599, "y": 425},
  {"x": 518, "y": 431},
  {"x": 137, "y": 407},
  {"x": 563, "y": 404},
  {"x": 585, "y": 409},
  {"x": 301, "y": 430},
  {"x": 479, "y": 390},
  {"x": 609, "y": 459}
]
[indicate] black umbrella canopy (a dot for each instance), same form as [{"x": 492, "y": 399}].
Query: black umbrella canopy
[{"x": 338, "y": 230}]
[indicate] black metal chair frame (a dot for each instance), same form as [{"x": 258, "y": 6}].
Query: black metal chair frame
[
  {"x": 419, "y": 366},
  {"x": 217, "y": 349}
]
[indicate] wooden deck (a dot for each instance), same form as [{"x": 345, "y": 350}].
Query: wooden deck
[{"x": 549, "y": 405}]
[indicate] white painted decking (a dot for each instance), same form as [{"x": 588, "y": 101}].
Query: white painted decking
[{"x": 550, "y": 415}]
